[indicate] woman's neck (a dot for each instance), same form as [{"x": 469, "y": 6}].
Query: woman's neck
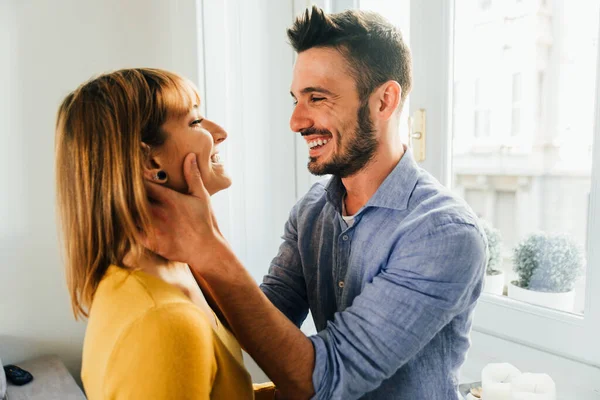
[
  {"x": 176, "y": 274},
  {"x": 156, "y": 265}
]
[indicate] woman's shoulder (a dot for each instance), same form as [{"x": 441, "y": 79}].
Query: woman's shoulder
[
  {"x": 168, "y": 344},
  {"x": 134, "y": 292},
  {"x": 167, "y": 331},
  {"x": 175, "y": 322},
  {"x": 135, "y": 320},
  {"x": 125, "y": 298}
]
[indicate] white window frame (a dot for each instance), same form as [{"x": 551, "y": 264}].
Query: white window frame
[{"x": 567, "y": 335}]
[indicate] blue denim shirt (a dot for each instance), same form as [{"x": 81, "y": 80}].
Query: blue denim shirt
[{"x": 392, "y": 296}]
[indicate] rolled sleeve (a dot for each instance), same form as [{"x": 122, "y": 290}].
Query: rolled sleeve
[
  {"x": 321, "y": 364},
  {"x": 425, "y": 284}
]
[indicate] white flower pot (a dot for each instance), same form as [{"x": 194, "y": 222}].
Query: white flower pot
[
  {"x": 558, "y": 301},
  {"x": 494, "y": 284}
]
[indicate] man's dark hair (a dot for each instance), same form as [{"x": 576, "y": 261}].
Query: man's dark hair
[{"x": 372, "y": 46}]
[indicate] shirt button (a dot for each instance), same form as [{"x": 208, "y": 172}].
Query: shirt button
[
  {"x": 341, "y": 284},
  {"x": 345, "y": 237}
]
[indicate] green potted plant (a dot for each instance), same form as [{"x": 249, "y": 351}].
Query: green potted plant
[
  {"x": 494, "y": 275},
  {"x": 547, "y": 266}
]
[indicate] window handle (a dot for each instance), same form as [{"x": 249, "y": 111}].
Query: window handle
[{"x": 417, "y": 134}]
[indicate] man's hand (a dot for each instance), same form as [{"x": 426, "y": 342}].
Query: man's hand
[
  {"x": 184, "y": 229},
  {"x": 180, "y": 222}
]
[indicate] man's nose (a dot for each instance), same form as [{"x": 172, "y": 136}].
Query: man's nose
[{"x": 300, "y": 119}]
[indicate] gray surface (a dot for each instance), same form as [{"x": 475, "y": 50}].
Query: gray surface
[{"x": 51, "y": 381}]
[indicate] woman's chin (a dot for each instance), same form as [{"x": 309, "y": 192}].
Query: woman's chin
[{"x": 223, "y": 183}]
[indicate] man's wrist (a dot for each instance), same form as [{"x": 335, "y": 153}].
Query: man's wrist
[{"x": 214, "y": 258}]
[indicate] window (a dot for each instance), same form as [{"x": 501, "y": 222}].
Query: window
[
  {"x": 515, "y": 126},
  {"x": 554, "y": 195},
  {"x": 485, "y": 5},
  {"x": 540, "y": 93},
  {"x": 505, "y": 209},
  {"x": 517, "y": 96},
  {"x": 543, "y": 103},
  {"x": 483, "y": 123},
  {"x": 517, "y": 91},
  {"x": 477, "y": 199}
]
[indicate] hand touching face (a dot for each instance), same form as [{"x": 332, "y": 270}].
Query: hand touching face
[
  {"x": 184, "y": 226},
  {"x": 192, "y": 133}
]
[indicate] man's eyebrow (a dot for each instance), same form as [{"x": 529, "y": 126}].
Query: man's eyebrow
[{"x": 312, "y": 89}]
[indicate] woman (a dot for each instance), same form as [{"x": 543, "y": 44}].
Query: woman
[{"x": 151, "y": 333}]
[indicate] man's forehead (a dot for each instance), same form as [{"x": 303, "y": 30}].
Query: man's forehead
[{"x": 321, "y": 67}]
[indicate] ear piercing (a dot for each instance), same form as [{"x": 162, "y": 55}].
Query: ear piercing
[{"x": 160, "y": 176}]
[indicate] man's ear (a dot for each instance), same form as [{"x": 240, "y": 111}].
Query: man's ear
[{"x": 388, "y": 98}]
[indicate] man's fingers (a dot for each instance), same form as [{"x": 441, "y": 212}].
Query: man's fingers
[
  {"x": 148, "y": 241},
  {"x": 152, "y": 237},
  {"x": 193, "y": 177},
  {"x": 157, "y": 192}
]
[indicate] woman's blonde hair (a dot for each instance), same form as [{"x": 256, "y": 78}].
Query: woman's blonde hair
[{"x": 106, "y": 130}]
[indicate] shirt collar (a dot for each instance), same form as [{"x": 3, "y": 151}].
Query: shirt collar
[{"x": 393, "y": 193}]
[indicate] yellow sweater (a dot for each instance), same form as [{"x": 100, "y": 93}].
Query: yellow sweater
[{"x": 146, "y": 340}]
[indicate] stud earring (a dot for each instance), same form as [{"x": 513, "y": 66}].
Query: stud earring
[{"x": 160, "y": 176}]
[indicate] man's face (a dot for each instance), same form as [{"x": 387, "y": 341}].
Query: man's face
[{"x": 329, "y": 115}]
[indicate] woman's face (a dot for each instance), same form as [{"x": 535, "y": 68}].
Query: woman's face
[{"x": 192, "y": 134}]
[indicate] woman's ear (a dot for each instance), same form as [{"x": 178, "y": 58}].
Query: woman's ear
[{"x": 152, "y": 167}]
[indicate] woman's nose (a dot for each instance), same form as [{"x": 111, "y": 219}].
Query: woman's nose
[{"x": 218, "y": 133}]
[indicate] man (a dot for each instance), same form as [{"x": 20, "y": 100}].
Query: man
[{"x": 389, "y": 263}]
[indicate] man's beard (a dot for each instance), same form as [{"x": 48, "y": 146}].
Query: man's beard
[{"x": 358, "y": 152}]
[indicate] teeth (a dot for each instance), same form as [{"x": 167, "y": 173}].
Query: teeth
[{"x": 319, "y": 142}]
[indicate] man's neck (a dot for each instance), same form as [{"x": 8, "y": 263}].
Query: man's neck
[{"x": 361, "y": 186}]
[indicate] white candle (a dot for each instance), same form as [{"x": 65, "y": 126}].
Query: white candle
[
  {"x": 496, "y": 380},
  {"x": 533, "y": 387}
]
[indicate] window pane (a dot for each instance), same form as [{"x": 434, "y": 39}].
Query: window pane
[
  {"x": 515, "y": 121},
  {"x": 530, "y": 74},
  {"x": 516, "y": 87},
  {"x": 485, "y": 4},
  {"x": 482, "y": 123}
]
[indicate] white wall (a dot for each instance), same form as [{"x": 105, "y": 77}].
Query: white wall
[
  {"x": 240, "y": 59},
  {"x": 47, "y": 48}
]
